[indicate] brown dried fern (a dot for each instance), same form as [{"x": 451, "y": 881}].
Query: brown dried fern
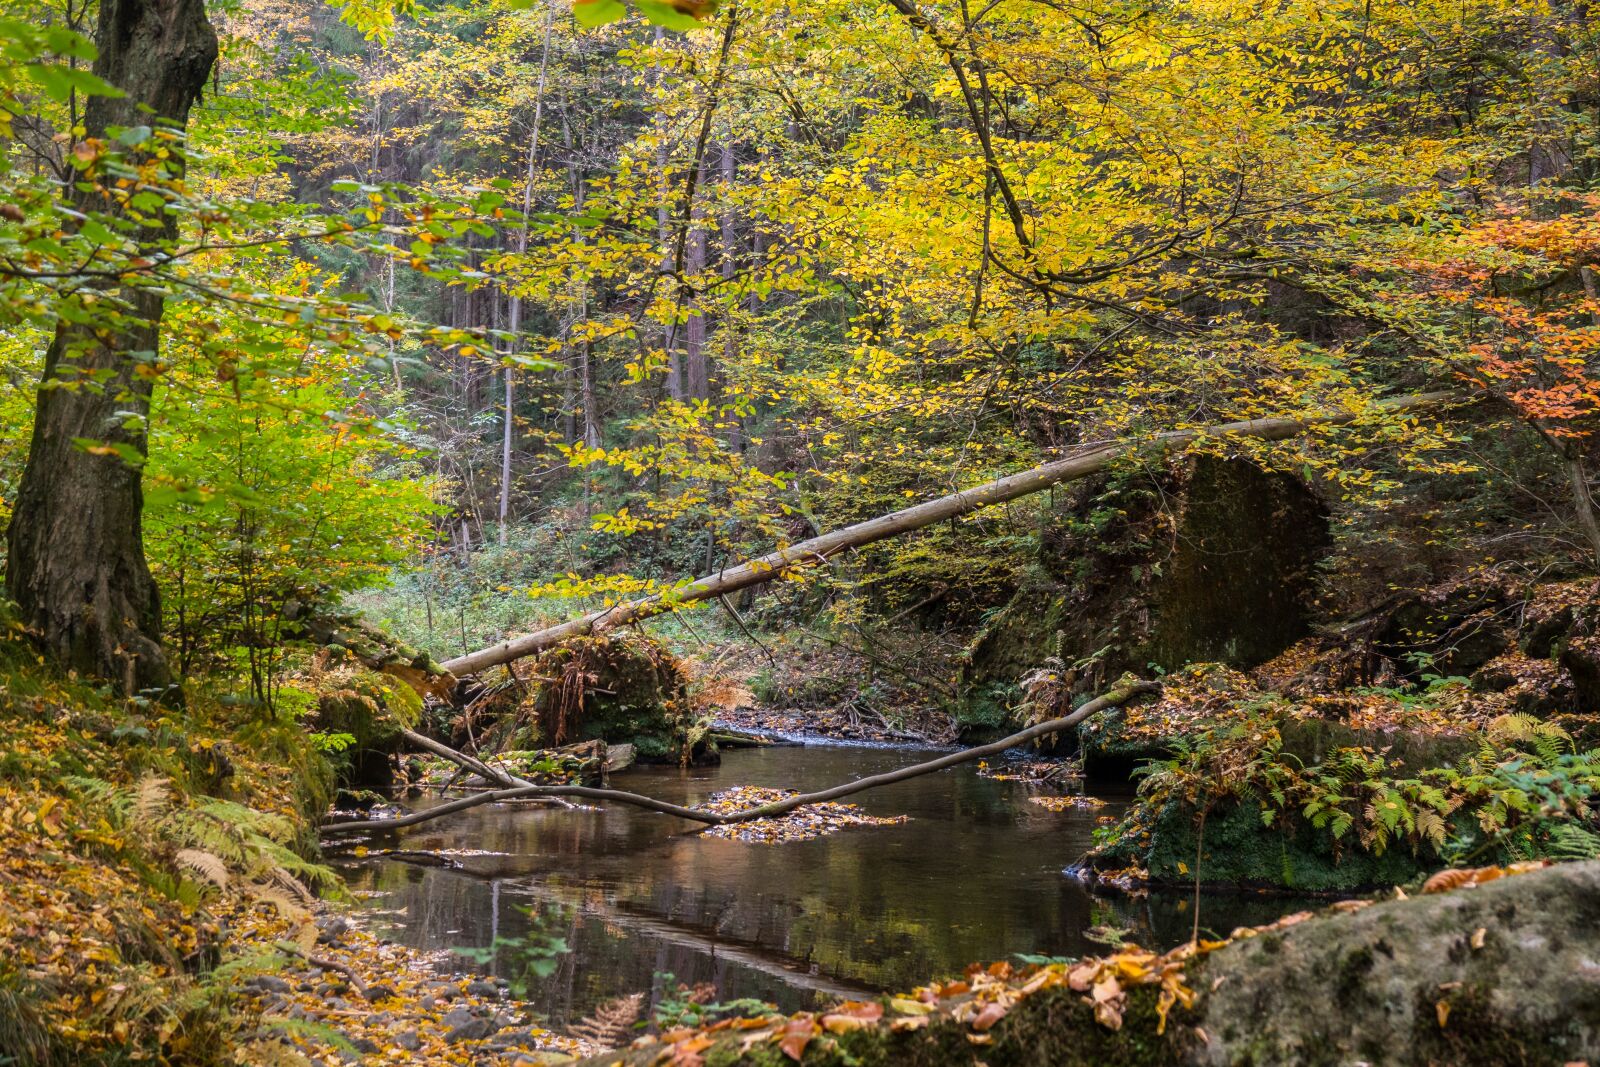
[{"x": 611, "y": 1025}]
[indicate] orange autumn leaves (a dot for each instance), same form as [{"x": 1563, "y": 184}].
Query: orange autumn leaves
[
  {"x": 1520, "y": 298},
  {"x": 1467, "y": 878}
]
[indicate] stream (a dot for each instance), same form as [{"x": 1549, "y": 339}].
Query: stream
[{"x": 976, "y": 874}]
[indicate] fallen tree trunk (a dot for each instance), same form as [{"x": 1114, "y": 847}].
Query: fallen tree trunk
[
  {"x": 1116, "y": 697},
  {"x": 1083, "y": 462}
]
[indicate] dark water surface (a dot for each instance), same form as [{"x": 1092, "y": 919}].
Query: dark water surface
[{"x": 976, "y": 874}]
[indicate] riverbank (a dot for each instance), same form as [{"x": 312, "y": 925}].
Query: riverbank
[{"x": 158, "y": 900}]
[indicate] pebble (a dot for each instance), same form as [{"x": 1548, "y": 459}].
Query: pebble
[
  {"x": 331, "y": 929},
  {"x": 456, "y": 1016},
  {"x": 475, "y": 1030}
]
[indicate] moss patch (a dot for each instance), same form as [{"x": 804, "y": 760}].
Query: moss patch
[
  {"x": 1204, "y": 560},
  {"x": 618, "y": 689}
]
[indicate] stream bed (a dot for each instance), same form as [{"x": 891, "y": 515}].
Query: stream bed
[{"x": 609, "y": 900}]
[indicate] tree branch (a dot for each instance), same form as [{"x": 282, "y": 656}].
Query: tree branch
[{"x": 1115, "y": 698}]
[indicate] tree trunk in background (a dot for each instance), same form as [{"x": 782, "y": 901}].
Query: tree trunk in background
[
  {"x": 75, "y": 563},
  {"x": 515, "y": 325},
  {"x": 729, "y": 236},
  {"x": 697, "y": 372},
  {"x": 669, "y": 333},
  {"x": 584, "y": 348}
]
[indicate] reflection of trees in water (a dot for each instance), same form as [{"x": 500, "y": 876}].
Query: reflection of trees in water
[{"x": 975, "y": 875}]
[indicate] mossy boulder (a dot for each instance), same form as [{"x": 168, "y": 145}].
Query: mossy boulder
[
  {"x": 365, "y": 710},
  {"x": 620, "y": 689},
  {"x": 1503, "y": 973},
  {"x": 1235, "y": 848},
  {"x": 1204, "y": 559}
]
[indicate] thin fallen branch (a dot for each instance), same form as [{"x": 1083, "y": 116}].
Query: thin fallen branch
[
  {"x": 1115, "y": 698},
  {"x": 1083, "y": 462},
  {"x": 499, "y": 775},
  {"x": 327, "y": 965}
]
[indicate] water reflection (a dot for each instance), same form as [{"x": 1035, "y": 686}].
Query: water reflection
[{"x": 975, "y": 875}]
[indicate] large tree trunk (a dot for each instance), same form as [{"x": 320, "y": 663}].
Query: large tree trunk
[
  {"x": 784, "y": 561},
  {"x": 75, "y": 563}
]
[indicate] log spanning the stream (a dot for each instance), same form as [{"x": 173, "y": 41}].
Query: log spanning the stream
[
  {"x": 1115, "y": 698},
  {"x": 1084, "y": 461}
]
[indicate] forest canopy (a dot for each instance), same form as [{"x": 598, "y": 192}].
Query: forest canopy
[{"x": 477, "y": 399}]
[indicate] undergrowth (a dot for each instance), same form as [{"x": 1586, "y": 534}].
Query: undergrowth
[
  {"x": 1520, "y": 791},
  {"x": 126, "y": 829}
]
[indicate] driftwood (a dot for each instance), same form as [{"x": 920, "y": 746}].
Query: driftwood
[
  {"x": 1116, "y": 697},
  {"x": 1082, "y": 462}
]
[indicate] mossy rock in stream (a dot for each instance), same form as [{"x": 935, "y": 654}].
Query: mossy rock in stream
[
  {"x": 1202, "y": 559},
  {"x": 620, "y": 689},
  {"x": 370, "y": 708},
  {"x": 1238, "y": 850}
]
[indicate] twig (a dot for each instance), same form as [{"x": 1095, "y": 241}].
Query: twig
[{"x": 327, "y": 965}]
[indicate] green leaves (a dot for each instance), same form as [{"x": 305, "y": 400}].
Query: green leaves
[
  {"x": 669, "y": 14},
  {"x": 59, "y": 83},
  {"x": 593, "y": 13}
]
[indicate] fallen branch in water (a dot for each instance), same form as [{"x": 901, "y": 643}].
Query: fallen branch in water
[
  {"x": 1115, "y": 698},
  {"x": 488, "y": 772}
]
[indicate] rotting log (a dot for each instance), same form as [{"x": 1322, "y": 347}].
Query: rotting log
[
  {"x": 1115, "y": 698},
  {"x": 1084, "y": 461}
]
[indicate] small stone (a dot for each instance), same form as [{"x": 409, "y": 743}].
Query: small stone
[
  {"x": 458, "y": 1016},
  {"x": 331, "y": 929},
  {"x": 408, "y": 1040},
  {"x": 476, "y": 1030},
  {"x": 521, "y": 1036}
]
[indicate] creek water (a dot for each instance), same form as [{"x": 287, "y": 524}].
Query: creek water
[{"x": 977, "y": 873}]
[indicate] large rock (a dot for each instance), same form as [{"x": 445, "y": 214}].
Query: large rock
[
  {"x": 1210, "y": 560},
  {"x": 620, "y": 689},
  {"x": 1505, "y": 973}
]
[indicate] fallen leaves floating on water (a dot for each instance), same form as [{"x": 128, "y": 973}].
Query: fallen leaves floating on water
[
  {"x": 801, "y": 824},
  {"x": 1071, "y": 802}
]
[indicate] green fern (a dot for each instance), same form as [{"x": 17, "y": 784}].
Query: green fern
[{"x": 1569, "y": 841}]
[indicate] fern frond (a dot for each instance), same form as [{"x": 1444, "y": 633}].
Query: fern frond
[
  {"x": 1568, "y": 841},
  {"x": 151, "y": 797},
  {"x": 205, "y": 864},
  {"x": 286, "y": 905},
  {"x": 611, "y": 1025}
]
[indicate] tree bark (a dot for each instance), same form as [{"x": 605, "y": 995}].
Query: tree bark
[
  {"x": 75, "y": 562},
  {"x": 696, "y": 363},
  {"x": 1085, "y": 461},
  {"x": 532, "y": 173},
  {"x": 1115, "y": 698}
]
